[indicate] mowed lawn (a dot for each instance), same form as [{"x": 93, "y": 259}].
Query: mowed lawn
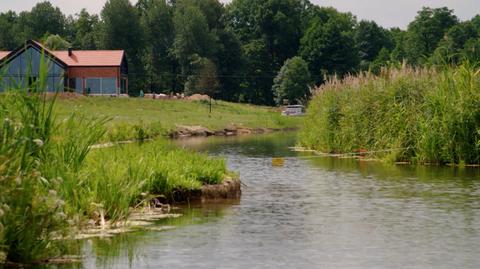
[{"x": 170, "y": 113}]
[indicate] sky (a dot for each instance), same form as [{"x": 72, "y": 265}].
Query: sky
[{"x": 388, "y": 13}]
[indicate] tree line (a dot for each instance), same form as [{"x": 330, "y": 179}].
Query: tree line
[{"x": 255, "y": 51}]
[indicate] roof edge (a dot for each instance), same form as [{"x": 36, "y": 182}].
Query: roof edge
[{"x": 36, "y": 45}]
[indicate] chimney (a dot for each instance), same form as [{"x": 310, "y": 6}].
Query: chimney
[{"x": 70, "y": 52}]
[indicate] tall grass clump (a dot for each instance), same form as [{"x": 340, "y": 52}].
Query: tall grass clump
[
  {"x": 421, "y": 115},
  {"x": 31, "y": 208},
  {"x": 117, "y": 178}
]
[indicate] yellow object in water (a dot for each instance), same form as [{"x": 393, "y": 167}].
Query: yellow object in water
[{"x": 278, "y": 162}]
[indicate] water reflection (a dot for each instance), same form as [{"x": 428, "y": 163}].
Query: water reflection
[{"x": 315, "y": 213}]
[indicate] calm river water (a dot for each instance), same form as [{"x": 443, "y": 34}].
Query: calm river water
[{"x": 313, "y": 213}]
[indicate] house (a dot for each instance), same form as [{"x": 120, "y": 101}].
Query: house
[{"x": 89, "y": 72}]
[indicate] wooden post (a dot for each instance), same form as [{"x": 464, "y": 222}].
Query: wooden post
[
  {"x": 126, "y": 85},
  {"x": 210, "y": 106}
]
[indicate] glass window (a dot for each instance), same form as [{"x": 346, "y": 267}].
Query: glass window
[
  {"x": 79, "y": 85},
  {"x": 109, "y": 86},
  {"x": 93, "y": 86}
]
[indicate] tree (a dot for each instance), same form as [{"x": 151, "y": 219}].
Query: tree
[
  {"x": 270, "y": 32},
  {"x": 192, "y": 35},
  {"x": 204, "y": 79},
  {"x": 157, "y": 20},
  {"x": 450, "y": 48},
  {"x": 426, "y": 31},
  {"x": 230, "y": 62},
  {"x": 370, "y": 39},
  {"x": 398, "y": 54},
  {"x": 8, "y": 38},
  {"x": 292, "y": 82},
  {"x": 259, "y": 74},
  {"x": 44, "y": 18},
  {"x": 329, "y": 47},
  {"x": 56, "y": 42},
  {"x": 471, "y": 50},
  {"x": 212, "y": 10},
  {"x": 121, "y": 29},
  {"x": 382, "y": 60},
  {"x": 277, "y": 22},
  {"x": 86, "y": 30}
]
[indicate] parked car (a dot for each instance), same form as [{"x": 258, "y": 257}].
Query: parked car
[{"x": 293, "y": 110}]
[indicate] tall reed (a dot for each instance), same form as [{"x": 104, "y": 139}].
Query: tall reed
[
  {"x": 419, "y": 115},
  {"x": 31, "y": 209}
]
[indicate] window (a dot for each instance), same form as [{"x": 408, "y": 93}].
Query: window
[
  {"x": 94, "y": 86},
  {"x": 79, "y": 85},
  {"x": 101, "y": 85},
  {"x": 109, "y": 86}
]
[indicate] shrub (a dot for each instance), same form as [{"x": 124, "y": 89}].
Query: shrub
[{"x": 417, "y": 115}]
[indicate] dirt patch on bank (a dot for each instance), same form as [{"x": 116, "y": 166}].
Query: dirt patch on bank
[
  {"x": 229, "y": 189},
  {"x": 183, "y": 131}
]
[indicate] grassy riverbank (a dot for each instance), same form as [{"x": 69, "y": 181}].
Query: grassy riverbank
[
  {"x": 52, "y": 180},
  {"x": 143, "y": 118},
  {"x": 420, "y": 116}
]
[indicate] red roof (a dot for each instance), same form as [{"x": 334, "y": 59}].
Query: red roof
[
  {"x": 3, "y": 54},
  {"x": 91, "y": 57}
]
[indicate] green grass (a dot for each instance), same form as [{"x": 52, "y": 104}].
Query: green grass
[
  {"x": 421, "y": 115},
  {"x": 52, "y": 180},
  {"x": 117, "y": 178},
  {"x": 138, "y": 117}
]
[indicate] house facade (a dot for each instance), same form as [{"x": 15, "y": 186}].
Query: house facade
[{"x": 88, "y": 72}]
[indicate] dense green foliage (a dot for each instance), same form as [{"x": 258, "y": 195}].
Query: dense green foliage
[
  {"x": 245, "y": 42},
  {"x": 292, "y": 82},
  {"x": 51, "y": 179},
  {"x": 416, "y": 115},
  {"x": 136, "y": 170},
  {"x": 31, "y": 209}
]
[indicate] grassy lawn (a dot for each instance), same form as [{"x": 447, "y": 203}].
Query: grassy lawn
[{"x": 130, "y": 116}]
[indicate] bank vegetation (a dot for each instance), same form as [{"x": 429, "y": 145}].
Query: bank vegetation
[
  {"x": 52, "y": 180},
  {"x": 417, "y": 115}
]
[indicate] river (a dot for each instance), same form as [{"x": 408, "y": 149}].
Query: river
[{"x": 312, "y": 213}]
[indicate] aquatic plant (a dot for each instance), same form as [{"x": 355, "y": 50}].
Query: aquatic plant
[
  {"x": 120, "y": 176},
  {"x": 31, "y": 208},
  {"x": 426, "y": 115}
]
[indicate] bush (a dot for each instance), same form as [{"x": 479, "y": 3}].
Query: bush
[
  {"x": 417, "y": 115},
  {"x": 292, "y": 82}
]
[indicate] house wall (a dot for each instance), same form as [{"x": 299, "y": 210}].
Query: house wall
[
  {"x": 88, "y": 79},
  {"x": 24, "y": 69},
  {"x": 95, "y": 72}
]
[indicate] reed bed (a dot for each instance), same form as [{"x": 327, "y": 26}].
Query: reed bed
[{"x": 417, "y": 115}]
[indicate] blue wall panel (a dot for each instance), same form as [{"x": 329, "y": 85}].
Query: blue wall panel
[{"x": 25, "y": 68}]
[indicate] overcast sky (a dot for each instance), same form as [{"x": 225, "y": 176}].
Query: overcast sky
[{"x": 389, "y": 13}]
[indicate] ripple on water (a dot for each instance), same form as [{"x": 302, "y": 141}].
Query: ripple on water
[{"x": 316, "y": 213}]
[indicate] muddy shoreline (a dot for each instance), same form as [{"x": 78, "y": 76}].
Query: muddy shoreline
[
  {"x": 162, "y": 207},
  {"x": 200, "y": 131}
]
